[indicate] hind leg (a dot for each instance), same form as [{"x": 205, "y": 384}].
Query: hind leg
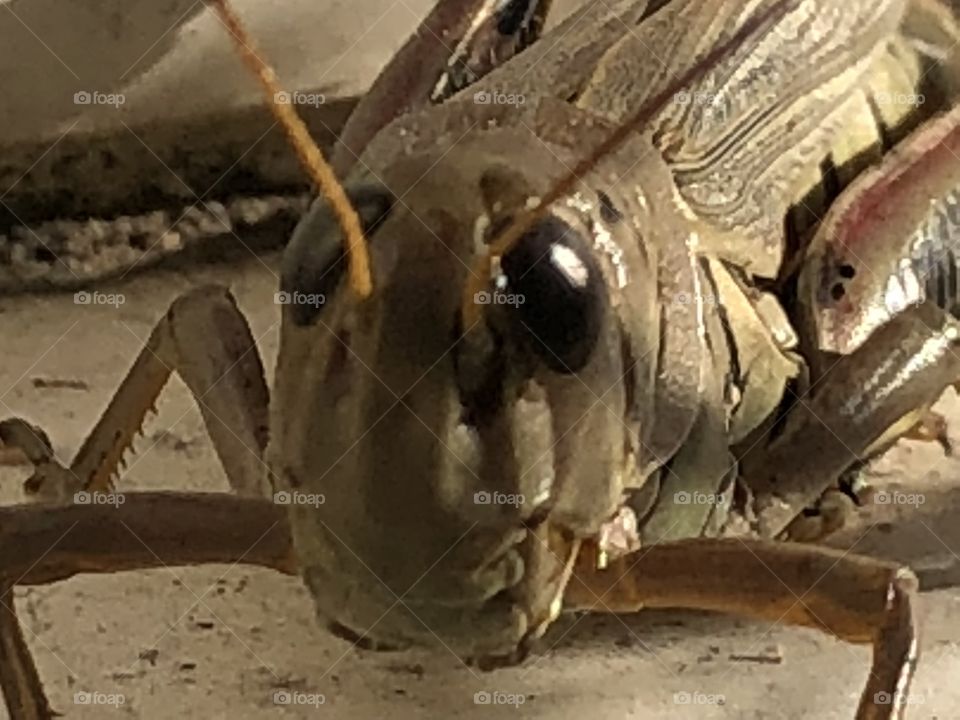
[{"x": 205, "y": 339}]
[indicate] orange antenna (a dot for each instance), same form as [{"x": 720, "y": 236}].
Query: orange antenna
[
  {"x": 526, "y": 218},
  {"x": 307, "y": 151}
]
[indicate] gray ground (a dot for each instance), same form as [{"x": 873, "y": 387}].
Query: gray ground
[{"x": 220, "y": 641}]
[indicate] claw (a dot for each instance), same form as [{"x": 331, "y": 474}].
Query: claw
[
  {"x": 29, "y": 441},
  {"x": 831, "y": 514},
  {"x": 618, "y": 537},
  {"x": 931, "y": 427},
  {"x": 50, "y": 480}
]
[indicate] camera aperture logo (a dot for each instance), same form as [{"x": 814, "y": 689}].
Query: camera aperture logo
[
  {"x": 98, "y": 698},
  {"x": 498, "y": 498},
  {"x": 495, "y": 697},
  {"x": 299, "y": 298},
  {"x": 95, "y": 97},
  {"x": 495, "y": 97},
  {"x": 283, "y": 497},
  {"x": 99, "y": 298},
  {"x": 498, "y": 298},
  {"x": 98, "y": 498},
  {"x": 299, "y": 98},
  {"x": 295, "y": 697}
]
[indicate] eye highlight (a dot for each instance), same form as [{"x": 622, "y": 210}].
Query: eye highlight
[{"x": 561, "y": 293}]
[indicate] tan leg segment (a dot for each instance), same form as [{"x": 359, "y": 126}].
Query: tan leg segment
[
  {"x": 41, "y": 544},
  {"x": 206, "y": 340},
  {"x": 19, "y": 679},
  {"x": 858, "y": 599}
]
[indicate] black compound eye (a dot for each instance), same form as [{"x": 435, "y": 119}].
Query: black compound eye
[
  {"x": 562, "y": 290},
  {"x": 315, "y": 258}
]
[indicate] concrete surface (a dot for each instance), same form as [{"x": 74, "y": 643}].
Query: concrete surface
[{"x": 218, "y": 642}]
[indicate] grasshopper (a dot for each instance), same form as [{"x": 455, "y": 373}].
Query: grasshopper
[{"x": 552, "y": 347}]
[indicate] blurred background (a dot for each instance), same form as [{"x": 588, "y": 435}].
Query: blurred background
[{"x": 174, "y": 58}]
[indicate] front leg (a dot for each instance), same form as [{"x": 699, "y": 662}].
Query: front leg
[
  {"x": 859, "y": 600},
  {"x": 41, "y": 544},
  {"x": 904, "y": 366}
]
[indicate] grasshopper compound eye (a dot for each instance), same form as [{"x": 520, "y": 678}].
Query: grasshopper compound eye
[{"x": 558, "y": 291}]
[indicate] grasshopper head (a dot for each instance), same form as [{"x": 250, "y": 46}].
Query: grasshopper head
[{"x": 442, "y": 465}]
